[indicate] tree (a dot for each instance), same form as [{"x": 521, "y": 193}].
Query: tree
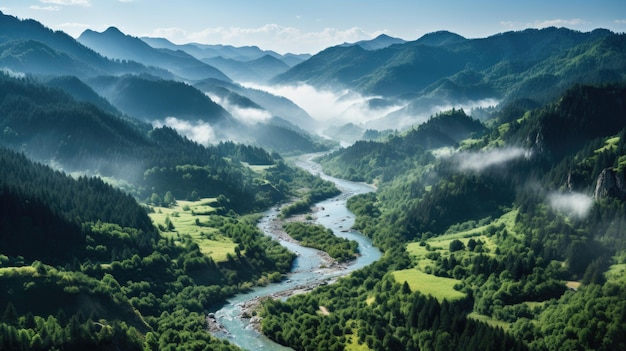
[
  {"x": 169, "y": 199},
  {"x": 456, "y": 245}
]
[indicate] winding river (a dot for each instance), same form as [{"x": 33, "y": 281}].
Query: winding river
[{"x": 308, "y": 270}]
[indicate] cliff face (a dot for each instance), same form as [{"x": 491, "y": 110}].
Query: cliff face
[{"x": 610, "y": 183}]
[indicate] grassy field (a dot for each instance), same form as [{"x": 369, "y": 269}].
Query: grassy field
[
  {"x": 442, "y": 288},
  {"x": 492, "y": 322},
  {"x": 190, "y": 219},
  {"x": 428, "y": 284}
]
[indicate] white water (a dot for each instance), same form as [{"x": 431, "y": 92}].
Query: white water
[{"x": 307, "y": 269}]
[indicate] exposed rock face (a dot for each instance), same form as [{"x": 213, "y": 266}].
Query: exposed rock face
[{"x": 610, "y": 183}]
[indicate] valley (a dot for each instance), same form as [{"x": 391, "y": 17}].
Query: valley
[{"x": 442, "y": 193}]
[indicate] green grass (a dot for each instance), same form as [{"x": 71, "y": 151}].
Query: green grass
[
  {"x": 428, "y": 284},
  {"x": 184, "y": 216},
  {"x": 490, "y": 321}
]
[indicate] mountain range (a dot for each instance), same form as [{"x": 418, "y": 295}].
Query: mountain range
[{"x": 445, "y": 69}]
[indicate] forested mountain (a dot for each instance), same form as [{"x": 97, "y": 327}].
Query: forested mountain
[
  {"x": 50, "y": 126},
  {"x": 444, "y": 69},
  {"x": 28, "y": 46},
  {"x": 524, "y": 221},
  {"x": 380, "y": 42},
  {"x": 149, "y": 98},
  {"x": 117, "y": 45}
]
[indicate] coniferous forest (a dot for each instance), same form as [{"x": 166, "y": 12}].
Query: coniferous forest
[{"x": 132, "y": 197}]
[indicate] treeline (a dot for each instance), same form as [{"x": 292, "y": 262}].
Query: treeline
[{"x": 318, "y": 237}]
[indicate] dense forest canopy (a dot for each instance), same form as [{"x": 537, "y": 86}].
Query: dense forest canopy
[{"x": 501, "y": 227}]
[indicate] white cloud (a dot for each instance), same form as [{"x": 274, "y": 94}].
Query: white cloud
[
  {"x": 84, "y": 3},
  {"x": 45, "y": 8},
  {"x": 477, "y": 161},
  {"x": 246, "y": 115},
  {"x": 270, "y": 36},
  {"x": 620, "y": 21},
  {"x": 539, "y": 24},
  {"x": 73, "y": 25},
  {"x": 332, "y": 108},
  {"x": 199, "y": 131},
  {"x": 571, "y": 204},
  {"x": 574, "y": 22}
]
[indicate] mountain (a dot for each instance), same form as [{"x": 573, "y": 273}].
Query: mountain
[
  {"x": 27, "y": 46},
  {"x": 380, "y": 42},
  {"x": 443, "y": 69},
  {"x": 81, "y": 92},
  {"x": 243, "y": 53},
  {"x": 117, "y": 45},
  {"x": 149, "y": 98},
  {"x": 257, "y": 71}
]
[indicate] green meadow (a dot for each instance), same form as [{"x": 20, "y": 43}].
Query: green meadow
[{"x": 191, "y": 219}]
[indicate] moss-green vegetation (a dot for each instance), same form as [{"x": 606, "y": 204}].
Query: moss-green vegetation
[
  {"x": 192, "y": 219},
  {"x": 428, "y": 284},
  {"x": 318, "y": 237}
]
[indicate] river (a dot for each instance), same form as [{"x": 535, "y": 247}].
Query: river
[{"x": 308, "y": 270}]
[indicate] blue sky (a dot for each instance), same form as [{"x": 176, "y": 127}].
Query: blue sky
[{"x": 310, "y": 26}]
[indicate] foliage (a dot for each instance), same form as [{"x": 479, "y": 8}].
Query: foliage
[{"x": 318, "y": 237}]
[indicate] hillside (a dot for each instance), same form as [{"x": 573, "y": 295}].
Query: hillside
[
  {"x": 522, "y": 222},
  {"x": 117, "y": 45},
  {"x": 28, "y": 46}
]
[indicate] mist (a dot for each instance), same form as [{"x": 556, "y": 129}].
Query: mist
[
  {"x": 248, "y": 115},
  {"x": 478, "y": 161},
  {"x": 199, "y": 131},
  {"x": 571, "y": 204},
  {"x": 329, "y": 108}
]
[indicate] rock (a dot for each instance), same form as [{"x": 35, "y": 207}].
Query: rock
[{"x": 610, "y": 183}]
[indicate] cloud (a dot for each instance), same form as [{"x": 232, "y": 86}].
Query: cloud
[
  {"x": 9, "y": 72},
  {"x": 571, "y": 204},
  {"x": 73, "y": 25},
  {"x": 329, "y": 107},
  {"x": 199, "y": 131},
  {"x": 477, "y": 161},
  {"x": 620, "y": 21},
  {"x": 45, "y": 8},
  {"x": 246, "y": 115},
  {"x": 276, "y": 37},
  {"x": 84, "y": 3},
  {"x": 574, "y": 22}
]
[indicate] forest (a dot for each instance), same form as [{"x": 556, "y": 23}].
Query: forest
[
  {"x": 532, "y": 273},
  {"x": 501, "y": 227}
]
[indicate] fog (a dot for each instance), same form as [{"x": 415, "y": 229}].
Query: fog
[
  {"x": 477, "y": 161},
  {"x": 199, "y": 131},
  {"x": 13, "y": 74},
  {"x": 247, "y": 115},
  {"x": 329, "y": 108},
  {"x": 571, "y": 204}
]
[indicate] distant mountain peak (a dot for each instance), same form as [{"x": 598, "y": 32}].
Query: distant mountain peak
[
  {"x": 441, "y": 38},
  {"x": 380, "y": 42}
]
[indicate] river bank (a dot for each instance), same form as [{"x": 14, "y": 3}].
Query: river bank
[{"x": 236, "y": 320}]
